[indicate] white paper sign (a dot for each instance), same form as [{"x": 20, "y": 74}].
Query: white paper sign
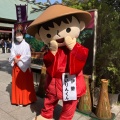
[{"x": 69, "y": 87}]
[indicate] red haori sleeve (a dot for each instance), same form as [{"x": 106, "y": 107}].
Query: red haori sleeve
[
  {"x": 78, "y": 57},
  {"x": 50, "y": 63},
  {"x": 55, "y": 65}
]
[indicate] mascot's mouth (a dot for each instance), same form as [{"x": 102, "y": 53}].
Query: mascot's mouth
[{"x": 60, "y": 40}]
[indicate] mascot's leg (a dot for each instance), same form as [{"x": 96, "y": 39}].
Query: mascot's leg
[
  {"x": 39, "y": 117},
  {"x": 50, "y": 102},
  {"x": 68, "y": 110}
]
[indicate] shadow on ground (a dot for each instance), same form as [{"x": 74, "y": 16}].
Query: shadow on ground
[
  {"x": 5, "y": 66},
  {"x": 8, "y": 88},
  {"x": 39, "y": 104}
]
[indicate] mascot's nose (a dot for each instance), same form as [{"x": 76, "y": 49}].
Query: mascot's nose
[{"x": 58, "y": 33}]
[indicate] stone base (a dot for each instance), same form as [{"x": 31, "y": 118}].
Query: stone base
[
  {"x": 97, "y": 118},
  {"x": 93, "y": 116},
  {"x": 84, "y": 112}
]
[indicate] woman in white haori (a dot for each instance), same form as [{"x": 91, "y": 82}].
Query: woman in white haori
[{"x": 23, "y": 92}]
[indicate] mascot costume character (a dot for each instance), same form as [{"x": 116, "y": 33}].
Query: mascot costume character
[{"x": 58, "y": 27}]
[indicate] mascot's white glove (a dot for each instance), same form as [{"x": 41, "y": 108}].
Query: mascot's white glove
[
  {"x": 69, "y": 42},
  {"x": 53, "y": 47}
]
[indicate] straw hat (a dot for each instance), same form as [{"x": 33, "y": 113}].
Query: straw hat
[{"x": 56, "y": 11}]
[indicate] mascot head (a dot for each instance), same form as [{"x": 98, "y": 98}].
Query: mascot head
[{"x": 58, "y": 22}]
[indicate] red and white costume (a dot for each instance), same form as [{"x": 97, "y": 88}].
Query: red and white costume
[{"x": 22, "y": 78}]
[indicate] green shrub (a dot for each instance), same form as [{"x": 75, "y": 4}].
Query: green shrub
[{"x": 35, "y": 44}]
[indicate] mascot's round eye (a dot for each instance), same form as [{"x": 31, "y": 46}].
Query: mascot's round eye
[
  {"x": 48, "y": 35},
  {"x": 68, "y": 30}
]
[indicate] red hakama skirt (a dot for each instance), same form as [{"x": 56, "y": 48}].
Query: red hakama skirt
[{"x": 23, "y": 91}]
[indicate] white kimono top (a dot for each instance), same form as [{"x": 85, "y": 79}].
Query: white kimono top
[{"x": 22, "y": 49}]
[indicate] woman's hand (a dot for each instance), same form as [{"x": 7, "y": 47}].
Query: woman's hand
[{"x": 16, "y": 59}]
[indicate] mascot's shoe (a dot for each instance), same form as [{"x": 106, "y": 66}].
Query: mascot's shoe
[{"x": 39, "y": 117}]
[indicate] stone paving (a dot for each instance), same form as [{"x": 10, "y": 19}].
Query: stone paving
[{"x": 12, "y": 112}]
